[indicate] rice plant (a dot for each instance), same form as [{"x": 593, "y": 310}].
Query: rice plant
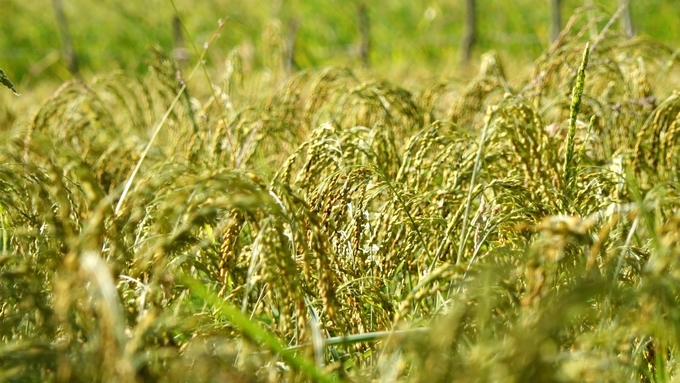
[{"x": 333, "y": 226}]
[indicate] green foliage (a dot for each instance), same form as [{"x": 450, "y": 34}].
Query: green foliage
[
  {"x": 405, "y": 36},
  {"x": 330, "y": 226}
]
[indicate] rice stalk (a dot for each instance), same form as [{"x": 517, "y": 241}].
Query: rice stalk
[{"x": 577, "y": 94}]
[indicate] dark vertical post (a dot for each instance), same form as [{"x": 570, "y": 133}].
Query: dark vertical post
[
  {"x": 626, "y": 19},
  {"x": 291, "y": 36},
  {"x": 365, "y": 31},
  {"x": 470, "y": 35},
  {"x": 179, "y": 53},
  {"x": 555, "y": 19},
  {"x": 67, "y": 50}
]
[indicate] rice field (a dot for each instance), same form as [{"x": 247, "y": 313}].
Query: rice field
[{"x": 329, "y": 225}]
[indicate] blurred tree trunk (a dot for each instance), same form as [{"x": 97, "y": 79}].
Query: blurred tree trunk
[
  {"x": 67, "y": 50},
  {"x": 179, "y": 53},
  {"x": 291, "y": 38},
  {"x": 365, "y": 31},
  {"x": 626, "y": 19},
  {"x": 555, "y": 19},
  {"x": 470, "y": 35}
]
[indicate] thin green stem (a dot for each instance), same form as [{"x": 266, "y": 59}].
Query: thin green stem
[
  {"x": 490, "y": 113},
  {"x": 161, "y": 123},
  {"x": 252, "y": 331}
]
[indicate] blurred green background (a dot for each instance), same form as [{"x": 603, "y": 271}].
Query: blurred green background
[{"x": 114, "y": 34}]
